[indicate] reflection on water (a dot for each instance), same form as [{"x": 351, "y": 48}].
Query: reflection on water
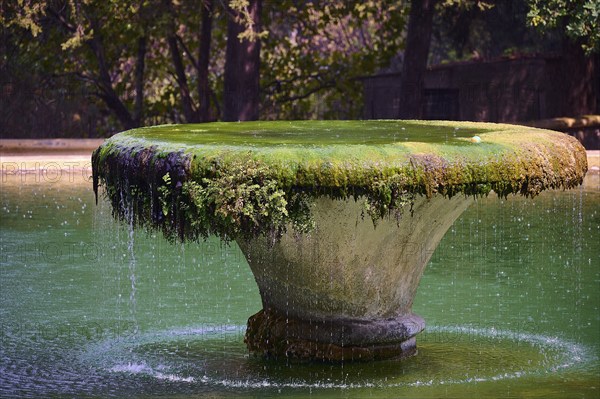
[{"x": 511, "y": 300}]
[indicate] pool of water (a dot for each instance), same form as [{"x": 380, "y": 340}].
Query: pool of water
[{"x": 90, "y": 308}]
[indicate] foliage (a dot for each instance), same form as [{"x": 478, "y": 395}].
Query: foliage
[
  {"x": 469, "y": 30},
  {"x": 390, "y": 196},
  {"x": 313, "y": 52},
  {"x": 579, "y": 19},
  {"x": 481, "y": 5},
  {"x": 316, "y": 52},
  {"x": 245, "y": 19},
  {"x": 24, "y": 14},
  {"x": 244, "y": 201},
  {"x": 119, "y": 53},
  {"x": 98, "y": 45}
]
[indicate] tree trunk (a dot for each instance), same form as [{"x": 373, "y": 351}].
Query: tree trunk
[
  {"x": 103, "y": 80},
  {"x": 242, "y": 62},
  {"x": 187, "y": 104},
  {"x": 579, "y": 98},
  {"x": 184, "y": 90},
  {"x": 104, "y": 83},
  {"x": 203, "y": 58},
  {"x": 415, "y": 58},
  {"x": 139, "y": 81}
]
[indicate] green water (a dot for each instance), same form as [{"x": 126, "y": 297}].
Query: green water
[{"x": 90, "y": 309}]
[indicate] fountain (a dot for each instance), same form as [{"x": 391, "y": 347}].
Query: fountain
[{"x": 337, "y": 220}]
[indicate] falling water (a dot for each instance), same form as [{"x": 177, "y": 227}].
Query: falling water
[
  {"x": 132, "y": 263},
  {"x": 126, "y": 204}
]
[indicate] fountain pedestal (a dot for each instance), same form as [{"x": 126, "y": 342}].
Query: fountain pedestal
[{"x": 345, "y": 291}]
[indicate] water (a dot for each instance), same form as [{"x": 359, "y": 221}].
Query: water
[{"x": 90, "y": 308}]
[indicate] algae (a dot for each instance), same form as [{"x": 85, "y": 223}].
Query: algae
[{"x": 257, "y": 178}]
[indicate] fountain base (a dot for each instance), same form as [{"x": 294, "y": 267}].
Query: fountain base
[
  {"x": 272, "y": 334},
  {"x": 344, "y": 292}
]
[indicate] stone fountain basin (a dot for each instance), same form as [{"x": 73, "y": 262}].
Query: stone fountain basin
[{"x": 337, "y": 219}]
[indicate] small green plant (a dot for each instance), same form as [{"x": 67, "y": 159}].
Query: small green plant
[
  {"x": 164, "y": 194},
  {"x": 387, "y": 198},
  {"x": 243, "y": 201}
]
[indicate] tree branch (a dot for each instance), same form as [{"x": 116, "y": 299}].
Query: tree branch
[
  {"x": 328, "y": 85},
  {"x": 180, "y": 76},
  {"x": 79, "y": 75},
  {"x": 104, "y": 83},
  {"x": 60, "y": 18},
  {"x": 187, "y": 52},
  {"x": 278, "y": 83}
]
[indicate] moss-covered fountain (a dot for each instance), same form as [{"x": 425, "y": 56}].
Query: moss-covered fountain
[{"x": 337, "y": 220}]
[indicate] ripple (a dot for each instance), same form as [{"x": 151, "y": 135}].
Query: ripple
[
  {"x": 216, "y": 357},
  {"x": 213, "y": 359}
]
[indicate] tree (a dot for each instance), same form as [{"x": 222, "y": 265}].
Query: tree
[
  {"x": 131, "y": 54},
  {"x": 471, "y": 30},
  {"x": 317, "y": 52},
  {"x": 242, "y": 62},
  {"x": 578, "y": 21},
  {"x": 418, "y": 42},
  {"x": 91, "y": 30},
  {"x": 179, "y": 69},
  {"x": 203, "y": 87},
  {"x": 194, "y": 108},
  {"x": 418, "y": 39},
  {"x": 565, "y": 28},
  {"x": 138, "y": 58},
  {"x": 92, "y": 46}
]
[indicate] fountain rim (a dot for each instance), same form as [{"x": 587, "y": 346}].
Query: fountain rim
[{"x": 278, "y": 181}]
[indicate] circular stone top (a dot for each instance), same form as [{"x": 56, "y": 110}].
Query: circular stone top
[{"x": 250, "y": 178}]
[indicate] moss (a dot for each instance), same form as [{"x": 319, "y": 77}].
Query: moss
[{"x": 247, "y": 179}]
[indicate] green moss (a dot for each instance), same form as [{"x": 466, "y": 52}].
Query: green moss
[{"x": 247, "y": 179}]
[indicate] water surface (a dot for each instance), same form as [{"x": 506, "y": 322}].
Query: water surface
[{"x": 90, "y": 308}]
